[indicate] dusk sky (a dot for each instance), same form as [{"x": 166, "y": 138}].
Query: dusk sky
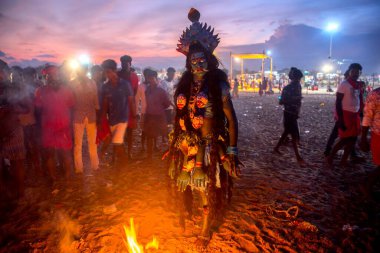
[{"x": 37, "y": 31}]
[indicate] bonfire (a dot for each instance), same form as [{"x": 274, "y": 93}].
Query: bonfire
[{"x": 132, "y": 243}]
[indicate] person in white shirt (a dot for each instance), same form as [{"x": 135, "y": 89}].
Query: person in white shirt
[
  {"x": 86, "y": 105},
  {"x": 141, "y": 105},
  {"x": 169, "y": 85},
  {"x": 348, "y": 100}
]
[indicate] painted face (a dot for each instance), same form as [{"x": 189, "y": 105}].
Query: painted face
[
  {"x": 197, "y": 122},
  {"x": 202, "y": 100},
  {"x": 198, "y": 63},
  {"x": 181, "y": 101}
]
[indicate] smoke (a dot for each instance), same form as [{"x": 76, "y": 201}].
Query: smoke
[{"x": 68, "y": 230}]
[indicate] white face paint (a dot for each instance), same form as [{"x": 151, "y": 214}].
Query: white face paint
[{"x": 198, "y": 63}]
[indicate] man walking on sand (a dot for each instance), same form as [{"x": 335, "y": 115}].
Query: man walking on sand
[
  {"x": 84, "y": 117},
  {"x": 291, "y": 99},
  {"x": 347, "y": 109},
  {"x": 126, "y": 73},
  {"x": 117, "y": 99}
]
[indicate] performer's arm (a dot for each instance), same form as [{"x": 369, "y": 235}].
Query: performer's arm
[{"x": 231, "y": 162}]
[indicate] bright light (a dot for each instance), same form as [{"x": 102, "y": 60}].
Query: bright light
[
  {"x": 269, "y": 52},
  {"x": 84, "y": 59},
  {"x": 332, "y": 27},
  {"x": 74, "y": 64},
  {"x": 237, "y": 59},
  {"x": 327, "y": 68}
]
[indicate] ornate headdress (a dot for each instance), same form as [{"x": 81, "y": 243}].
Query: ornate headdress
[{"x": 197, "y": 32}]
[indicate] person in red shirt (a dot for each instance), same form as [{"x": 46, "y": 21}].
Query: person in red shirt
[
  {"x": 155, "y": 117},
  {"x": 371, "y": 120},
  {"x": 54, "y": 103},
  {"x": 128, "y": 74}
]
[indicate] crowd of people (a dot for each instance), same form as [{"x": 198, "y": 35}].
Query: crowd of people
[
  {"x": 46, "y": 118},
  {"x": 355, "y": 113},
  {"x": 43, "y": 120}
]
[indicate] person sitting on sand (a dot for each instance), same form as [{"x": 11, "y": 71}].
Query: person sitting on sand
[{"x": 291, "y": 97}]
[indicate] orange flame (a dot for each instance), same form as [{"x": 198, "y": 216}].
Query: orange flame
[{"x": 131, "y": 240}]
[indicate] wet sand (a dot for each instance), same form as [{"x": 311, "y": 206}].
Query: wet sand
[{"x": 277, "y": 205}]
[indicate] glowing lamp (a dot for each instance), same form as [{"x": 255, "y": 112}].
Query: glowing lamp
[
  {"x": 84, "y": 59},
  {"x": 332, "y": 27},
  {"x": 74, "y": 64},
  {"x": 327, "y": 68}
]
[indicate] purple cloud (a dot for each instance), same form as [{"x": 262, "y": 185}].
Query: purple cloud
[
  {"x": 150, "y": 29},
  {"x": 45, "y": 56}
]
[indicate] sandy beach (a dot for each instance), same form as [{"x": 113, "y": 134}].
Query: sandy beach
[{"x": 277, "y": 206}]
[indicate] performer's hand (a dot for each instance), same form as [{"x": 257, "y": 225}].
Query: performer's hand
[
  {"x": 172, "y": 169},
  {"x": 227, "y": 164},
  {"x": 199, "y": 177},
  {"x": 183, "y": 180},
  {"x": 232, "y": 165}
]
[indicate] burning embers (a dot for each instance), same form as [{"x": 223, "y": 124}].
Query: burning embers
[{"x": 132, "y": 243}]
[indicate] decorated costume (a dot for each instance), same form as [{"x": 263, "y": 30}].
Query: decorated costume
[{"x": 203, "y": 150}]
